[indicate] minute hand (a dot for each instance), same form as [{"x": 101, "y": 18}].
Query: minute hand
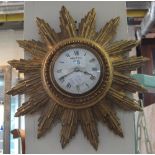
[
  {"x": 62, "y": 77},
  {"x": 75, "y": 70}
]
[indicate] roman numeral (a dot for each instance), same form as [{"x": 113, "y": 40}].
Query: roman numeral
[
  {"x": 76, "y": 53},
  {"x": 92, "y": 60},
  {"x": 59, "y": 71},
  {"x": 87, "y": 85},
  {"x": 78, "y": 88},
  {"x": 94, "y": 69},
  {"x": 78, "y": 62},
  {"x": 62, "y": 79},
  {"x": 67, "y": 55},
  {"x": 68, "y": 85},
  {"x": 92, "y": 77}
]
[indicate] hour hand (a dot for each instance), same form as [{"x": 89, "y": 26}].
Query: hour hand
[
  {"x": 92, "y": 76},
  {"x": 62, "y": 79},
  {"x": 78, "y": 88}
]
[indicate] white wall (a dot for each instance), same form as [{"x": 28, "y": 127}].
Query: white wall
[
  {"x": 9, "y": 48},
  {"x": 109, "y": 143}
]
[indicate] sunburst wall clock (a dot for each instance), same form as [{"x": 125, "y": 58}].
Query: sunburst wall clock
[{"x": 76, "y": 76}]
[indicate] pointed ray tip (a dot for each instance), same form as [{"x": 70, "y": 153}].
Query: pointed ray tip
[
  {"x": 64, "y": 142},
  {"x": 117, "y": 19},
  {"x": 38, "y": 134},
  {"x": 19, "y": 41},
  {"x": 10, "y": 62},
  {"x": 16, "y": 114},
  {"x": 140, "y": 109},
  {"x": 95, "y": 146},
  {"x": 9, "y": 92},
  {"x": 121, "y": 134},
  {"x": 137, "y": 42},
  {"x": 63, "y": 8},
  {"x": 63, "y": 145},
  {"x": 146, "y": 59},
  {"x": 92, "y": 10},
  {"x": 38, "y": 20}
]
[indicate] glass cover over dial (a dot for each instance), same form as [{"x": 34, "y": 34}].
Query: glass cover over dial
[{"x": 77, "y": 70}]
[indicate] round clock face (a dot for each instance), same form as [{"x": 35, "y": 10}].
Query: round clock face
[{"x": 77, "y": 70}]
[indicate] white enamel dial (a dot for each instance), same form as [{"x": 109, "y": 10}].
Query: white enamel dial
[{"x": 77, "y": 70}]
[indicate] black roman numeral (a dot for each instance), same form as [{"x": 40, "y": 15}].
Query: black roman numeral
[
  {"x": 92, "y": 77},
  {"x": 68, "y": 85},
  {"x": 67, "y": 55},
  {"x": 87, "y": 85},
  {"x": 92, "y": 60},
  {"x": 59, "y": 71},
  {"x": 76, "y": 53},
  {"x": 94, "y": 69},
  {"x": 62, "y": 79}
]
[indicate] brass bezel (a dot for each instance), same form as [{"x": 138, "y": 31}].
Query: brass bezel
[{"x": 76, "y": 101}]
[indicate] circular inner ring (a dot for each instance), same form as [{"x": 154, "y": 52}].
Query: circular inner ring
[{"x": 76, "y": 69}]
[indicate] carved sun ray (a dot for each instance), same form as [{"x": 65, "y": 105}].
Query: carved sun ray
[{"x": 60, "y": 108}]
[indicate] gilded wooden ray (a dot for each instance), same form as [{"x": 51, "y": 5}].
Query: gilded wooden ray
[
  {"x": 87, "y": 25},
  {"x": 86, "y": 110}
]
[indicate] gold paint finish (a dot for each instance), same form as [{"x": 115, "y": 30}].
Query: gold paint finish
[
  {"x": 84, "y": 100},
  {"x": 88, "y": 108}
]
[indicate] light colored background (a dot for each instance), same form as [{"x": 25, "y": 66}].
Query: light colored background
[
  {"x": 109, "y": 143},
  {"x": 9, "y": 48}
]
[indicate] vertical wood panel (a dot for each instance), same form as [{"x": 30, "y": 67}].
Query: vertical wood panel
[{"x": 7, "y": 110}]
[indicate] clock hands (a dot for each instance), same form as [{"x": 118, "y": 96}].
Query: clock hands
[
  {"x": 87, "y": 73},
  {"x": 62, "y": 77},
  {"x": 76, "y": 69},
  {"x": 92, "y": 76}
]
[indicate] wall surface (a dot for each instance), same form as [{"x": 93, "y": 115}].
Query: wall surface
[
  {"x": 50, "y": 143},
  {"x": 9, "y": 48}
]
